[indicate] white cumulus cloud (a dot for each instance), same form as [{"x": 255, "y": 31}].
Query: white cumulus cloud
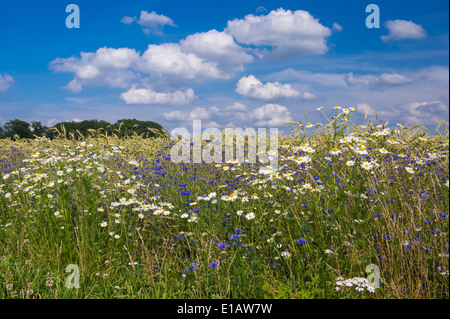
[
  {"x": 199, "y": 113},
  {"x": 365, "y": 108},
  {"x": 269, "y": 115},
  {"x": 272, "y": 115},
  {"x": 150, "y": 21},
  {"x": 236, "y": 107},
  {"x": 148, "y": 96},
  {"x": 6, "y": 82},
  {"x": 378, "y": 81},
  {"x": 175, "y": 116},
  {"x": 106, "y": 67},
  {"x": 252, "y": 87},
  {"x": 219, "y": 47},
  {"x": 124, "y": 67},
  {"x": 169, "y": 59},
  {"x": 337, "y": 27},
  {"x": 289, "y": 33},
  {"x": 394, "y": 78},
  {"x": 402, "y": 29},
  {"x": 128, "y": 20},
  {"x": 425, "y": 112}
]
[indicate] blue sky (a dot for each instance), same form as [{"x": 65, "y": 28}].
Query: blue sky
[{"x": 234, "y": 63}]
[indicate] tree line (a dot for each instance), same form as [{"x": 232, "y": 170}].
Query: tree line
[{"x": 86, "y": 128}]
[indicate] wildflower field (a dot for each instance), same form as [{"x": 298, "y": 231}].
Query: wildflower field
[{"x": 343, "y": 199}]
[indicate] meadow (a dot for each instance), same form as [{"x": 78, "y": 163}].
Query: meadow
[{"x": 345, "y": 197}]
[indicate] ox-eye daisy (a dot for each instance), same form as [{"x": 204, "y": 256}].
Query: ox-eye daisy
[
  {"x": 366, "y": 165},
  {"x": 250, "y": 216}
]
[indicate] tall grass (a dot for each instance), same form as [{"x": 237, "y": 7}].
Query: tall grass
[{"x": 140, "y": 226}]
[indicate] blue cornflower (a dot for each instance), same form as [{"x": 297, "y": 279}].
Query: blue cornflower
[
  {"x": 238, "y": 230},
  {"x": 301, "y": 241},
  {"x": 221, "y": 245},
  {"x": 192, "y": 268},
  {"x": 213, "y": 265}
]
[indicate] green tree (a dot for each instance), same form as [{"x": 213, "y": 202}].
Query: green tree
[
  {"x": 17, "y": 127},
  {"x": 82, "y": 127},
  {"x": 130, "y": 126},
  {"x": 38, "y": 128}
]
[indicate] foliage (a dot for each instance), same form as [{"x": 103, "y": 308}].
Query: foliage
[{"x": 81, "y": 129}]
